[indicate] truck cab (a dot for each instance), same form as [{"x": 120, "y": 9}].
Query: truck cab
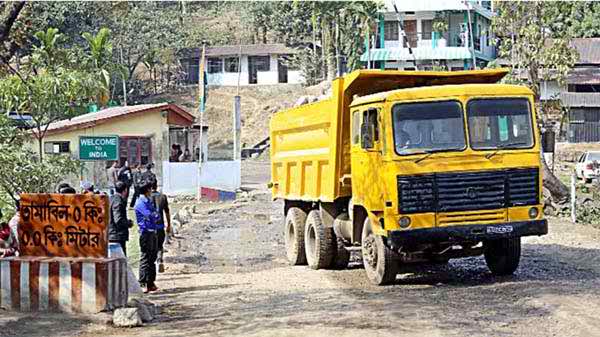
[
  {"x": 447, "y": 171},
  {"x": 410, "y": 167}
]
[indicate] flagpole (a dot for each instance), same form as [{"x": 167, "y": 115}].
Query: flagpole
[{"x": 201, "y": 107}]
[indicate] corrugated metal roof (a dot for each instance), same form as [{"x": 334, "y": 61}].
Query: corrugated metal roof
[
  {"x": 247, "y": 49},
  {"x": 580, "y": 99},
  {"x": 99, "y": 117},
  {"x": 589, "y": 50}
]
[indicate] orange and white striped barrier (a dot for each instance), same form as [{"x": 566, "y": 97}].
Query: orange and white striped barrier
[{"x": 86, "y": 285}]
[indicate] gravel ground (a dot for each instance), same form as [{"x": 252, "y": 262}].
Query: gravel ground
[{"x": 227, "y": 275}]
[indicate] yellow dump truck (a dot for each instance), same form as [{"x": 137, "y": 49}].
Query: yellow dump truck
[{"x": 409, "y": 166}]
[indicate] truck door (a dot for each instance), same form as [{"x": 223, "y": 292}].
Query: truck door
[{"x": 367, "y": 189}]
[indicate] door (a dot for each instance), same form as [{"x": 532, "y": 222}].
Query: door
[
  {"x": 252, "y": 70},
  {"x": 367, "y": 187},
  {"x": 410, "y": 29},
  {"x": 282, "y": 71}
]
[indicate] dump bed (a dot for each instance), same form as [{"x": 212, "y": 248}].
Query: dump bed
[{"x": 310, "y": 144}]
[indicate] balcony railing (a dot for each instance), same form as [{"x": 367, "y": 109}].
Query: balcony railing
[{"x": 440, "y": 40}]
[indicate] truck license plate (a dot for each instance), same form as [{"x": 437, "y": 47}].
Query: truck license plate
[{"x": 499, "y": 229}]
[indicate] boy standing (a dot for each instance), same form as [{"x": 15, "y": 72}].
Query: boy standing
[{"x": 147, "y": 219}]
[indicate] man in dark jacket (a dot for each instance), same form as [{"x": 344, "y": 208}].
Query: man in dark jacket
[
  {"x": 137, "y": 182},
  {"x": 118, "y": 231}
]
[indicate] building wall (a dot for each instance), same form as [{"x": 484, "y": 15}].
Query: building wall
[
  {"x": 151, "y": 125},
  {"x": 550, "y": 90},
  {"x": 264, "y": 77}
]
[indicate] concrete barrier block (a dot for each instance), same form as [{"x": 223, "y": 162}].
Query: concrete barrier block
[{"x": 86, "y": 285}]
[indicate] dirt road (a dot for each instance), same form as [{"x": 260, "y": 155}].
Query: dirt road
[{"x": 228, "y": 276}]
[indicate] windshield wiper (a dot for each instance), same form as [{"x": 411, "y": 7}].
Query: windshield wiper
[
  {"x": 427, "y": 154},
  {"x": 503, "y": 147}
]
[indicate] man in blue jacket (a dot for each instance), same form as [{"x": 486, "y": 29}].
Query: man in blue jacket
[{"x": 147, "y": 219}]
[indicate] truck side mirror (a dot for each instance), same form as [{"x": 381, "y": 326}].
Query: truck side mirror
[{"x": 366, "y": 131}]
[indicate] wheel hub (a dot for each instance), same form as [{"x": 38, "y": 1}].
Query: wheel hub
[{"x": 370, "y": 251}]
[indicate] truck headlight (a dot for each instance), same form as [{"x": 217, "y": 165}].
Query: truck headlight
[
  {"x": 404, "y": 222},
  {"x": 533, "y": 212}
]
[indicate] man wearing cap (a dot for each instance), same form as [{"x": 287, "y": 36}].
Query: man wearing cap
[
  {"x": 147, "y": 219},
  {"x": 118, "y": 230}
]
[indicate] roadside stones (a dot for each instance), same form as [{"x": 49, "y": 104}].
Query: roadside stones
[
  {"x": 146, "y": 309},
  {"x": 183, "y": 216},
  {"x": 127, "y": 317},
  {"x": 176, "y": 226},
  {"x": 258, "y": 195}
]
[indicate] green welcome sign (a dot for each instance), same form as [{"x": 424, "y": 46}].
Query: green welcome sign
[{"x": 98, "y": 148}]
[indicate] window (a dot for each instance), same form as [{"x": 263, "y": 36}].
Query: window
[
  {"x": 500, "y": 123},
  {"x": 426, "y": 29},
  {"x": 356, "y": 127},
  {"x": 369, "y": 129},
  {"x": 262, "y": 63},
  {"x": 457, "y": 68},
  {"x": 135, "y": 150},
  {"x": 56, "y": 147},
  {"x": 428, "y": 126},
  {"x": 391, "y": 31},
  {"x": 215, "y": 65},
  {"x": 232, "y": 64}
]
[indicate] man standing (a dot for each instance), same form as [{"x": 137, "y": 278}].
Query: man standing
[
  {"x": 148, "y": 175},
  {"x": 147, "y": 218},
  {"x": 162, "y": 206},
  {"x": 137, "y": 182},
  {"x": 118, "y": 230},
  {"x": 112, "y": 173},
  {"x": 124, "y": 175}
]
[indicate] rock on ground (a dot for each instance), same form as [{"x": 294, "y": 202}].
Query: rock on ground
[{"x": 127, "y": 317}]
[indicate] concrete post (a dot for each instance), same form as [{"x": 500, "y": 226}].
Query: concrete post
[
  {"x": 573, "y": 198},
  {"x": 237, "y": 128}
]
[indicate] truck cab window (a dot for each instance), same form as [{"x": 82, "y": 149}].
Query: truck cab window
[
  {"x": 356, "y": 127},
  {"x": 428, "y": 126},
  {"x": 500, "y": 123},
  {"x": 369, "y": 129}
]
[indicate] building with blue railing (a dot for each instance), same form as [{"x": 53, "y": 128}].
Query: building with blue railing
[{"x": 432, "y": 34}]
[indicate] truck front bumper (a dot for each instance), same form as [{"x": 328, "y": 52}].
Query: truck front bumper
[{"x": 466, "y": 233}]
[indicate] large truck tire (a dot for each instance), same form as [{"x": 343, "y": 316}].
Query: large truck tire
[
  {"x": 502, "y": 256},
  {"x": 294, "y": 236},
  {"x": 342, "y": 255},
  {"x": 318, "y": 242},
  {"x": 381, "y": 263}
]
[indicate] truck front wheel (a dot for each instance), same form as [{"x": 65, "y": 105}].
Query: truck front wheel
[
  {"x": 318, "y": 241},
  {"x": 294, "y": 236},
  {"x": 381, "y": 263},
  {"x": 502, "y": 256}
]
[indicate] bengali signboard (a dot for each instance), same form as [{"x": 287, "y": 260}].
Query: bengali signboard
[
  {"x": 63, "y": 225},
  {"x": 98, "y": 147}
]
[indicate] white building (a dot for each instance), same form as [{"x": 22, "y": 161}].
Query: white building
[
  {"x": 243, "y": 64},
  {"x": 452, "y": 48}
]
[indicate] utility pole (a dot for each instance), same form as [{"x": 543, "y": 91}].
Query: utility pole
[
  {"x": 471, "y": 34},
  {"x": 123, "y": 80},
  {"x": 237, "y": 104},
  {"x": 201, "y": 107},
  {"x": 403, "y": 34}
]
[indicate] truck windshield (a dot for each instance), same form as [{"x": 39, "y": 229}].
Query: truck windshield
[
  {"x": 428, "y": 126},
  {"x": 499, "y": 123}
]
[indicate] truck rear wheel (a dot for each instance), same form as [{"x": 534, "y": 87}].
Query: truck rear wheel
[
  {"x": 381, "y": 263},
  {"x": 318, "y": 242},
  {"x": 294, "y": 236},
  {"x": 342, "y": 255},
  {"x": 502, "y": 256}
]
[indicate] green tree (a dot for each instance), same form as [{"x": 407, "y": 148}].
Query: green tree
[
  {"x": 53, "y": 86},
  {"x": 22, "y": 172},
  {"x": 535, "y": 38}
]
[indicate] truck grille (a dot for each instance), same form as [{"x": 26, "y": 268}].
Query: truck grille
[{"x": 468, "y": 191}]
